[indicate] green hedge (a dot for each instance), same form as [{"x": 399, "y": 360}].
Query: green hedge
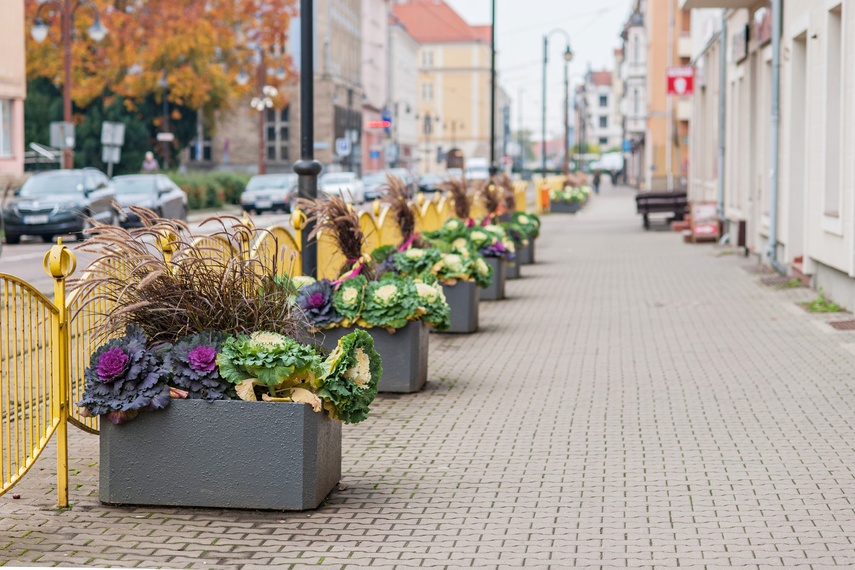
[{"x": 211, "y": 189}]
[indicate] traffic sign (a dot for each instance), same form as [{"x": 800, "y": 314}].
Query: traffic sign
[
  {"x": 681, "y": 80},
  {"x": 112, "y": 134},
  {"x": 165, "y": 137},
  {"x": 111, "y": 154},
  {"x": 61, "y": 134},
  {"x": 343, "y": 147}
]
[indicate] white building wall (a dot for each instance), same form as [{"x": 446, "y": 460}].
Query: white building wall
[{"x": 403, "y": 87}]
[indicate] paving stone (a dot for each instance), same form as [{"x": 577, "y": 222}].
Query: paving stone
[{"x": 635, "y": 402}]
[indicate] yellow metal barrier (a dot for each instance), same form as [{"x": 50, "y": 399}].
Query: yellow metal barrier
[{"x": 34, "y": 368}]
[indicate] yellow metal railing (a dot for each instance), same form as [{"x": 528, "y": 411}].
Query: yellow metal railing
[{"x": 34, "y": 368}]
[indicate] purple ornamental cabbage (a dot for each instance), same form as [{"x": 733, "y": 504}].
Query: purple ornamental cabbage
[
  {"x": 124, "y": 377},
  {"x": 193, "y": 364},
  {"x": 316, "y": 302},
  {"x": 497, "y": 249}
]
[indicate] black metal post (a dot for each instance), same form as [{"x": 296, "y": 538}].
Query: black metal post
[
  {"x": 307, "y": 167},
  {"x": 165, "y": 128},
  {"x": 494, "y": 167},
  {"x": 543, "y": 110}
]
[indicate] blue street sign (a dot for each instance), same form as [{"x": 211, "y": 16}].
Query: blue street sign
[
  {"x": 387, "y": 117},
  {"x": 627, "y": 145},
  {"x": 342, "y": 147}
]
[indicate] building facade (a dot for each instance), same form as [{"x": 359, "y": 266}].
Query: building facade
[
  {"x": 633, "y": 73},
  {"x": 792, "y": 203},
  {"x": 666, "y": 136},
  {"x": 338, "y": 103},
  {"x": 453, "y": 83},
  {"x": 403, "y": 95},
  {"x": 375, "y": 82},
  {"x": 604, "y": 129},
  {"x": 13, "y": 90}
]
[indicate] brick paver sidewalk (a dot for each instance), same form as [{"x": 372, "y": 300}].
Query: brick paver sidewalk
[{"x": 637, "y": 401}]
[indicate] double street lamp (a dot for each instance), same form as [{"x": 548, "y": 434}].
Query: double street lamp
[
  {"x": 568, "y": 57},
  {"x": 39, "y": 32},
  {"x": 261, "y": 103}
]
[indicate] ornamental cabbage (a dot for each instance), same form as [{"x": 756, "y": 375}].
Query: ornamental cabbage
[
  {"x": 271, "y": 359},
  {"x": 432, "y": 300},
  {"x": 349, "y": 377},
  {"x": 529, "y": 223},
  {"x": 350, "y": 297},
  {"x": 123, "y": 378},
  {"x": 415, "y": 261},
  {"x": 192, "y": 361},
  {"x": 390, "y": 302},
  {"x": 316, "y": 302}
]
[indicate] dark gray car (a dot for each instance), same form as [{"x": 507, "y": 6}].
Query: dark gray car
[
  {"x": 153, "y": 191},
  {"x": 59, "y": 202}
]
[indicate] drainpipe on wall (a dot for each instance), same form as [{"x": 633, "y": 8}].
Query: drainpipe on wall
[
  {"x": 772, "y": 248},
  {"x": 722, "y": 112}
]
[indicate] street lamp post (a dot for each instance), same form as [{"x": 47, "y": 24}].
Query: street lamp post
[
  {"x": 39, "y": 31},
  {"x": 307, "y": 167},
  {"x": 494, "y": 168},
  {"x": 568, "y": 57},
  {"x": 164, "y": 85}
]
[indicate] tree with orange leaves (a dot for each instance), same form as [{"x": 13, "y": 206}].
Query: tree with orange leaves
[{"x": 199, "y": 49}]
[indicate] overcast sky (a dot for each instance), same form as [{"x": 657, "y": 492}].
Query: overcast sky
[{"x": 593, "y": 26}]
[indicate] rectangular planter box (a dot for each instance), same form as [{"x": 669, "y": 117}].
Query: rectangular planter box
[
  {"x": 462, "y": 298},
  {"x": 513, "y": 271},
  {"x": 496, "y": 290},
  {"x": 526, "y": 254},
  {"x": 404, "y": 354},
  {"x": 564, "y": 207},
  {"x": 226, "y": 454}
]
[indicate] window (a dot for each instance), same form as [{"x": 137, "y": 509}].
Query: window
[
  {"x": 636, "y": 51},
  {"x": 604, "y": 100},
  {"x": 427, "y": 91},
  {"x": 203, "y": 152},
  {"x": 603, "y": 141},
  {"x": 604, "y": 122},
  {"x": 635, "y": 102},
  {"x": 5, "y": 127},
  {"x": 427, "y": 58},
  {"x": 277, "y": 134},
  {"x": 833, "y": 124}
]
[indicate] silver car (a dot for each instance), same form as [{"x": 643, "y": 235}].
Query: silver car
[
  {"x": 269, "y": 193},
  {"x": 343, "y": 184}
]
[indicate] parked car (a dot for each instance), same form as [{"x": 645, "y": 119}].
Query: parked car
[
  {"x": 431, "y": 182},
  {"x": 60, "y": 202},
  {"x": 269, "y": 193},
  {"x": 344, "y": 184},
  {"x": 153, "y": 191},
  {"x": 374, "y": 182},
  {"x": 477, "y": 169},
  {"x": 409, "y": 179}
]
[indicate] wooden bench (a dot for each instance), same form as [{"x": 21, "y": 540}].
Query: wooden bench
[{"x": 675, "y": 203}]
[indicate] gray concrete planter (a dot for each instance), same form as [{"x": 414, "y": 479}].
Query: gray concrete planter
[
  {"x": 496, "y": 290},
  {"x": 564, "y": 207},
  {"x": 462, "y": 298},
  {"x": 226, "y": 454},
  {"x": 526, "y": 253},
  {"x": 513, "y": 271},
  {"x": 404, "y": 354}
]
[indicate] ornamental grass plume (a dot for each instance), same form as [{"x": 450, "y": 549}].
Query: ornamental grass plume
[
  {"x": 399, "y": 203},
  {"x": 459, "y": 192},
  {"x": 491, "y": 194},
  {"x": 338, "y": 219},
  {"x": 509, "y": 196},
  {"x": 211, "y": 283}
]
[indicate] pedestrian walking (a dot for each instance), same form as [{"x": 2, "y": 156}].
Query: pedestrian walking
[
  {"x": 614, "y": 177},
  {"x": 596, "y": 182},
  {"x": 150, "y": 164}
]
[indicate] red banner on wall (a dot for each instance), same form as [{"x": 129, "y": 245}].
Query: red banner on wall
[{"x": 681, "y": 80}]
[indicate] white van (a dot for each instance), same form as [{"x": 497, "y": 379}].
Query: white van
[{"x": 477, "y": 169}]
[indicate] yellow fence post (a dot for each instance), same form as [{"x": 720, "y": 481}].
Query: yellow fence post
[{"x": 59, "y": 263}]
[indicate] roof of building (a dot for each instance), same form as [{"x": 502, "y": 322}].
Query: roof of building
[
  {"x": 601, "y": 78},
  {"x": 434, "y": 21}
]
